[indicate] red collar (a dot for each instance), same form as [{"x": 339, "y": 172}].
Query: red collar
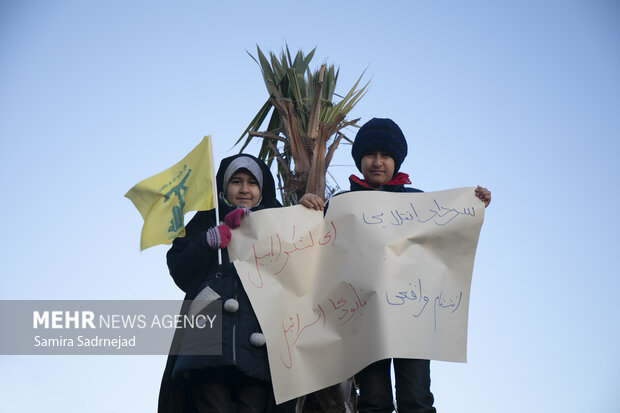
[{"x": 400, "y": 178}]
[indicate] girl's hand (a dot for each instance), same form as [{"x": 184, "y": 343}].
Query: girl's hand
[
  {"x": 218, "y": 237},
  {"x": 233, "y": 218}
]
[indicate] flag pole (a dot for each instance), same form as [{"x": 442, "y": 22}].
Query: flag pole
[{"x": 215, "y": 197}]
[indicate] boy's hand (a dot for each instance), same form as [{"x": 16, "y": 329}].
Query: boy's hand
[
  {"x": 312, "y": 201},
  {"x": 484, "y": 195},
  {"x": 233, "y": 218}
]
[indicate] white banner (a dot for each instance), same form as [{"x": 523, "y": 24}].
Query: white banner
[{"x": 381, "y": 275}]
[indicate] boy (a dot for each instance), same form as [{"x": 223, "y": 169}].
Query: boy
[{"x": 378, "y": 150}]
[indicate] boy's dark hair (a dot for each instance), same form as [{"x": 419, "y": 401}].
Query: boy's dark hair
[{"x": 380, "y": 134}]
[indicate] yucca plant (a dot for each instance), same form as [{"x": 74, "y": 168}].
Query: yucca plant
[{"x": 305, "y": 127}]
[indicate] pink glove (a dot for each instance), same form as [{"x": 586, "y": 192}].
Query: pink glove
[
  {"x": 233, "y": 218},
  {"x": 218, "y": 237}
]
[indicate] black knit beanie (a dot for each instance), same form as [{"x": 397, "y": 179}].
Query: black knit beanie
[{"x": 380, "y": 134}]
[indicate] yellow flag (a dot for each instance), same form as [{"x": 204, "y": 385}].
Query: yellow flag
[{"x": 164, "y": 199}]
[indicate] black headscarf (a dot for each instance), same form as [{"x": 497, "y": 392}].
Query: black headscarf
[{"x": 268, "y": 193}]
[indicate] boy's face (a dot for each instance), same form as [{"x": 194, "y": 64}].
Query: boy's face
[
  {"x": 377, "y": 168},
  {"x": 243, "y": 190}
]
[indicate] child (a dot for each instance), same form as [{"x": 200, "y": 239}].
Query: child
[
  {"x": 378, "y": 150},
  {"x": 241, "y": 373}
]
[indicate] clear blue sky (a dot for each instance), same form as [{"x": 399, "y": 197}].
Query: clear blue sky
[{"x": 522, "y": 97}]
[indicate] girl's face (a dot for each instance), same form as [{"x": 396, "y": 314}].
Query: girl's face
[{"x": 243, "y": 190}]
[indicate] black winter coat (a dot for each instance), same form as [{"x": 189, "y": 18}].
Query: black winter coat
[{"x": 193, "y": 266}]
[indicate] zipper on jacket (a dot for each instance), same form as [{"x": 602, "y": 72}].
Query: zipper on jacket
[
  {"x": 234, "y": 345},
  {"x": 234, "y": 330}
]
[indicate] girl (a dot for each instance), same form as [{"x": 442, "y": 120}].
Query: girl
[{"x": 241, "y": 373}]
